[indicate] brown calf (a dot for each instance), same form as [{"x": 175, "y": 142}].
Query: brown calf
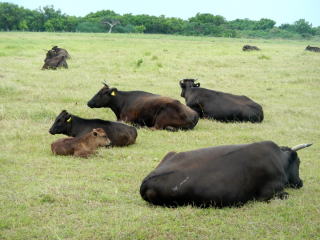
[{"x": 81, "y": 146}]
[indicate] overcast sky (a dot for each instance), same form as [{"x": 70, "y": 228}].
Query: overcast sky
[{"x": 281, "y": 11}]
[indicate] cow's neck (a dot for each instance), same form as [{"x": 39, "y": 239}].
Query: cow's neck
[
  {"x": 118, "y": 104},
  {"x": 75, "y": 125},
  {"x": 188, "y": 94}
]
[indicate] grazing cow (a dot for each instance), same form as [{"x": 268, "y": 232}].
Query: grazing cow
[
  {"x": 223, "y": 176},
  {"x": 71, "y": 125},
  {"x": 54, "y": 60},
  {"x": 250, "y": 48},
  {"x": 146, "y": 109},
  {"x": 81, "y": 146},
  {"x": 220, "y": 106},
  {"x": 312, "y": 49}
]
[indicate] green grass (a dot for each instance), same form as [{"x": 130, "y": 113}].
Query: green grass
[{"x": 48, "y": 197}]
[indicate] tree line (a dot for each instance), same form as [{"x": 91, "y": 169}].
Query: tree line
[{"x": 49, "y": 19}]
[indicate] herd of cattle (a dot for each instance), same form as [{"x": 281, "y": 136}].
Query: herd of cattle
[
  {"x": 254, "y": 48},
  {"x": 218, "y": 176}
]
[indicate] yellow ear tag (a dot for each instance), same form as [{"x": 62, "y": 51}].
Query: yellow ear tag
[
  {"x": 113, "y": 93},
  {"x": 69, "y": 120}
]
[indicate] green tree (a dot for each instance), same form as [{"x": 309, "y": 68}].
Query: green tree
[
  {"x": 242, "y": 24},
  {"x": 264, "y": 24},
  {"x": 303, "y": 27},
  {"x": 208, "y": 18},
  {"x": 12, "y": 17}
]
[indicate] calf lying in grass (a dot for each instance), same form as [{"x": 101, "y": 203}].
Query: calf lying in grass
[{"x": 81, "y": 146}]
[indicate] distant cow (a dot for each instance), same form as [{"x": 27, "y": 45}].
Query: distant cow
[
  {"x": 220, "y": 106},
  {"x": 250, "y": 48},
  {"x": 145, "y": 109},
  {"x": 56, "y": 58},
  {"x": 81, "y": 146},
  {"x": 61, "y": 51},
  {"x": 53, "y": 61},
  {"x": 312, "y": 49},
  {"x": 223, "y": 176},
  {"x": 71, "y": 125}
]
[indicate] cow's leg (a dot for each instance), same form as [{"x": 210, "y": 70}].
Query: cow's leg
[
  {"x": 166, "y": 120},
  {"x": 271, "y": 190},
  {"x": 82, "y": 153},
  {"x": 282, "y": 195}
]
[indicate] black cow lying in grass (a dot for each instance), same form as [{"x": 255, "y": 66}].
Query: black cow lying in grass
[
  {"x": 312, "y": 49},
  {"x": 146, "y": 109},
  {"x": 220, "y": 106},
  {"x": 250, "y": 48},
  {"x": 56, "y": 58},
  {"x": 223, "y": 176},
  {"x": 71, "y": 125}
]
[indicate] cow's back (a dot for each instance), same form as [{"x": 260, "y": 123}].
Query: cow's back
[
  {"x": 119, "y": 133},
  {"x": 224, "y": 106},
  {"x": 149, "y": 110},
  {"x": 63, "y": 146},
  {"x": 221, "y": 176}
]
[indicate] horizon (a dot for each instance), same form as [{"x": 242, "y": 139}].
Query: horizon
[{"x": 285, "y": 11}]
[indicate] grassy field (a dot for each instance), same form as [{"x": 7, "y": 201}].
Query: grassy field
[{"x": 48, "y": 197}]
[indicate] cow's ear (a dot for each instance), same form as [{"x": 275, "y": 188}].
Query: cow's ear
[
  {"x": 114, "y": 92},
  {"x": 69, "y": 119},
  {"x": 94, "y": 132},
  {"x": 197, "y": 85}
]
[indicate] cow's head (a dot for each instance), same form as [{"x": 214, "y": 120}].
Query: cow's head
[
  {"x": 103, "y": 98},
  {"x": 100, "y": 138},
  {"x": 292, "y": 165},
  {"x": 62, "y": 123},
  {"x": 187, "y": 83},
  {"x": 50, "y": 54}
]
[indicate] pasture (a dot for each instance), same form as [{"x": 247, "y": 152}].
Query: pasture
[{"x": 53, "y": 197}]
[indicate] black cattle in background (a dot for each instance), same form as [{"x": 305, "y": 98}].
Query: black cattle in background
[
  {"x": 145, "y": 109},
  {"x": 223, "y": 176},
  {"x": 220, "y": 106},
  {"x": 312, "y": 49},
  {"x": 56, "y": 58},
  {"x": 71, "y": 125},
  {"x": 61, "y": 51},
  {"x": 250, "y": 48}
]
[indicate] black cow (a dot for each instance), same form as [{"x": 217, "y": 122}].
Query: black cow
[
  {"x": 146, "y": 109},
  {"x": 223, "y": 176},
  {"x": 250, "y": 48},
  {"x": 71, "y": 125},
  {"x": 61, "y": 51},
  {"x": 312, "y": 49},
  {"x": 54, "y": 60},
  {"x": 220, "y": 106}
]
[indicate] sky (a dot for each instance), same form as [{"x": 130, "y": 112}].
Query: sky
[{"x": 281, "y": 11}]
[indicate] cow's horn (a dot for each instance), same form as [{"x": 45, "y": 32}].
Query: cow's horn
[
  {"x": 105, "y": 83},
  {"x": 301, "y": 146}
]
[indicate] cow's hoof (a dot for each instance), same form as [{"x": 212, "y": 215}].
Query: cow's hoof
[
  {"x": 171, "y": 129},
  {"x": 282, "y": 195}
]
